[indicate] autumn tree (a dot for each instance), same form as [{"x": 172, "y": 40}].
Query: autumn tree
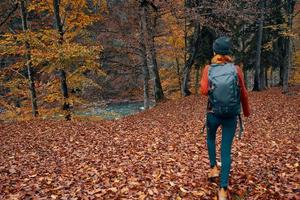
[
  {"x": 170, "y": 38},
  {"x": 243, "y": 35},
  {"x": 289, "y": 6},
  {"x": 194, "y": 45},
  {"x": 149, "y": 34},
  {"x": 66, "y": 49},
  {"x": 257, "y": 82},
  {"x": 23, "y": 7},
  {"x": 146, "y": 75},
  {"x": 124, "y": 55},
  {"x": 63, "y": 78}
]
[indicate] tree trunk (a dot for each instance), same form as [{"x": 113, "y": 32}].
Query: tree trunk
[
  {"x": 62, "y": 73},
  {"x": 257, "y": 82},
  {"x": 281, "y": 72},
  {"x": 272, "y": 78},
  {"x": 197, "y": 77},
  {"x": 178, "y": 73},
  {"x": 288, "y": 49},
  {"x": 64, "y": 87},
  {"x": 287, "y": 66},
  {"x": 185, "y": 40},
  {"x": 262, "y": 77},
  {"x": 266, "y": 78},
  {"x": 281, "y": 55},
  {"x": 158, "y": 91},
  {"x": 146, "y": 82},
  {"x": 242, "y": 57},
  {"x": 145, "y": 68},
  {"x": 190, "y": 61},
  {"x": 58, "y": 20},
  {"x": 28, "y": 63},
  {"x": 245, "y": 77}
]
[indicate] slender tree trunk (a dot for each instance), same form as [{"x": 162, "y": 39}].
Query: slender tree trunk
[
  {"x": 146, "y": 75},
  {"x": 286, "y": 68},
  {"x": 185, "y": 39},
  {"x": 197, "y": 77},
  {"x": 257, "y": 82},
  {"x": 28, "y": 63},
  {"x": 245, "y": 77},
  {"x": 262, "y": 77},
  {"x": 185, "y": 49},
  {"x": 146, "y": 82},
  {"x": 62, "y": 73},
  {"x": 280, "y": 54},
  {"x": 266, "y": 77},
  {"x": 2, "y": 63},
  {"x": 190, "y": 61},
  {"x": 178, "y": 73},
  {"x": 64, "y": 87},
  {"x": 158, "y": 91},
  {"x": 288, "y": 40},
  {"x": 281, "y": 72},
  {"x": 272, "y": 78},
  {"x": 242, "y": 56}
]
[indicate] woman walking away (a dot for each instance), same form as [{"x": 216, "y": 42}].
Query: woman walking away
[{"x": 223, "y": 82}]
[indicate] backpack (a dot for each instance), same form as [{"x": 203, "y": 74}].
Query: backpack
[{"x": 224, "y": 92}]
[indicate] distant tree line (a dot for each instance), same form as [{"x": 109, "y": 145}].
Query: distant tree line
[{"x": 155, "y": 46}]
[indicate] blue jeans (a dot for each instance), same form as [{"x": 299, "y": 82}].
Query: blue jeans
[{"x": 228, "y": 132}]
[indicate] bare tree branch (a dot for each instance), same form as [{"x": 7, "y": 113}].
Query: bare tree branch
[{"x": 9, "y": 14}]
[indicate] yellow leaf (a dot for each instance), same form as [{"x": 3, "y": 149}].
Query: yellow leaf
[
  {"x": 198, "y": 193},
  {"x": 113, "y": 189}
]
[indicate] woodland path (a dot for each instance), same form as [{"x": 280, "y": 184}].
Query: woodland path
[{"x": 157, "y": 154}]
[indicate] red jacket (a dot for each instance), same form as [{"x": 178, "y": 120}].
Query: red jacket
[{"x": 218, "y": 59}]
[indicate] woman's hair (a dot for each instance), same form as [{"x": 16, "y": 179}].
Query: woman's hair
[{"x": 218, "y": 59}]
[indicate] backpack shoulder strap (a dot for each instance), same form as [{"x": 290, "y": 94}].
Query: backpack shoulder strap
[{"x": 237, "y": 73}]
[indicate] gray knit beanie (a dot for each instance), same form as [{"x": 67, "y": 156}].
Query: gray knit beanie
[{"x": 222, "y": 46}]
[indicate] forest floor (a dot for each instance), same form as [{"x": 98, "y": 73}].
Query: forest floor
[{"x": 156, "y": 154}]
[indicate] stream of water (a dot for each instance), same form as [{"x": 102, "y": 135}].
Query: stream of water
[{"x": 114, "y": 111}]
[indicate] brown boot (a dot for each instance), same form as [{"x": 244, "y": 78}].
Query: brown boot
[
  {"x": 222, "y": 194},
  {"x": 213, "y": 172}
]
